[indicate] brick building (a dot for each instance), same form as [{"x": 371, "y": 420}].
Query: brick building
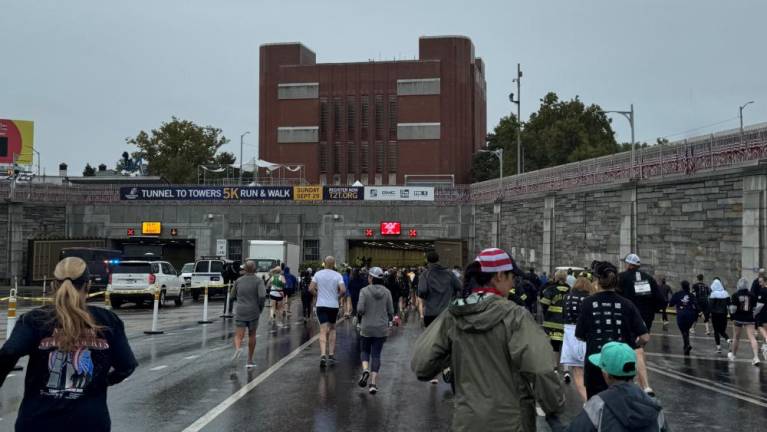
[{"x": 379, "y": 122}]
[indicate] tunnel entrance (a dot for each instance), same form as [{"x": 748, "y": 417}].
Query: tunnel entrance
[{"x": 403, "y": 253}]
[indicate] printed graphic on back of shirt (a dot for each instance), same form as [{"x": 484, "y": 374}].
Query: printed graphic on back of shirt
[
  {"x": 70, "y": 373},
  {"x": 608, "y": 319}
]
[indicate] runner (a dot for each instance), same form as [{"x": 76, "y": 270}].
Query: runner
[
  {"x": 665, "y": 289},
  {"x": 437, "y": 287},
  {"x": 623, "y": 406},
  {"x": 306, "y": 294},
  {"x": 742, "y": 313},
  {"x": 760, "y": 312},
  {"x": 553, "y": 302},
  {"x": 249, "y": 295},
  {"x": 75, "y": 353},
  {"x": 640, "y": 288},
  {"x": 686, "y": 313},
  {"x": 574, "y": 350},
  {"x": 498, "y": 354},
  {"x": 391, "y": 283},
  {"x": 291, "y": 286},
  {"x": 375, "y": 310},
  {"x": 718, "y": 303},
  {"x": 607, "y": 317},
  {"x": 357, "y": 282},
  {"x": 702, "y": 292},
  {"x": 276, "y": 288},
  {"x": 347, "y": 301},
  {"x": 327, "y": 285}
]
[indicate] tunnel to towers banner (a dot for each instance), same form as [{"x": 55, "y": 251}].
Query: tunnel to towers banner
[{"x": 273, "y": 193}]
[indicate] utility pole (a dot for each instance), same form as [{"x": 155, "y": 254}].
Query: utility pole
[
  {"x": 241, "y": 141},
  {"x": 518, "y": 80}
]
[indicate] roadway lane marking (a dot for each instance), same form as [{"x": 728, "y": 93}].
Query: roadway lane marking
[
  {"x": 155, "y": 369},
  {"x": 726, "y": 386},
  {"x": 191, "y": 357},
  {"x": 692, "y": 357},
  {"x": 677, "y": 376},
  {"x": 223, "y": 406}
]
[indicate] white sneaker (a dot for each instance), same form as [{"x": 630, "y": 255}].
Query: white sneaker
[
  {"x": 764, "y": 351},
  {"x": 755, "y": 361},
  {"x": 692, "y": 331},
  {"x": 731, "y": 356},
  {"x": 718, "y": 349},
  {"x": 650, "y": 392}
]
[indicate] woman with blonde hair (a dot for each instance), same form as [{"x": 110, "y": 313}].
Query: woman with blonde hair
[
  {"x": 75, "y": 352},
  {"x": 574, "y": 350}
]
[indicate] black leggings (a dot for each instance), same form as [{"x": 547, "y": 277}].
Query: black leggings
[
  {"x": 371, "y": 351},
  {"x": 306, "y": 302},
  {"x": 720, "y": 326},
  {"x": 685, "y": 321},
  {"x": 593, "y": 379}
]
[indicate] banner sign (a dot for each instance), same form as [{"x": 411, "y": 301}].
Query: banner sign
[
  {"x": 399, "y": 193},
  {"x": 233, "y": 193},
  {"x": 307, "y": 193},
  {"x": 343, "y": 193}
]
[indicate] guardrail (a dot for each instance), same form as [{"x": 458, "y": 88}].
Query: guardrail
[{"x": 685, "y": 157}]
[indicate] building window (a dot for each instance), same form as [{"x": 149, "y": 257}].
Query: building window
[
  {"x": 410, "y": 87},
  {"x": 364, "y": 157},
  {"x": 337, "y": 155},
  {"x": 393, "y": 155},
  {"x": 380, "y": 156},
  {"x": 298, "y": 91},
  {"x": 350, "y": 157},
  {"x": 323, "y": 119},
  {"x": 337, "y": 119},
  {"x": 379, "y": 117},
  {"x": 323, "y": 157},
  {"x": 392, "y": 117},
  {"x": 418, "y": 131},
  {"x": 311, "y": 250},
  {"x": 298, "y": 134},
  {"x": 365, "y": 118},
  {"x": 350, "y": 119}
]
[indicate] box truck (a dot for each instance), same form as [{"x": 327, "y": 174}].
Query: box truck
[{"x": 269, "y": 254}]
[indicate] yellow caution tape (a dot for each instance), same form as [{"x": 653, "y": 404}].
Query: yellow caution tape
[
  {"x": 45, "y": 299},
  {"x": 96, "y": 294}
]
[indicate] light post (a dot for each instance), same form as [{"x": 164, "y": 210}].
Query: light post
[
  {"x": 740, "y": 110},
  {"x": 499, "y": 154},
  {"x": 241, "y": 141},
  {"x": 518, "y": 80},
  {"x": 630, "y": 117}
]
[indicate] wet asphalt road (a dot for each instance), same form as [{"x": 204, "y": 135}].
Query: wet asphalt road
[{"x": 185, "y": 378}]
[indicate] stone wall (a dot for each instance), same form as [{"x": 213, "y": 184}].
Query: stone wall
[
  {"x": 712, "y": 224},
  {"x": 21, "y": 222}
]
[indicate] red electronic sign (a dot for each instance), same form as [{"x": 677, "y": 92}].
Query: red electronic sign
[
  {"x": 391, "y": 228},
  {"x": 368, "y": 232},
  {"x": 413, "y": 233},
  {"x": 131, "y": 232}
]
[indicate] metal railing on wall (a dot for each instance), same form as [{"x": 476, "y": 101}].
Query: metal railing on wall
[{"x": 685, "y": 157}]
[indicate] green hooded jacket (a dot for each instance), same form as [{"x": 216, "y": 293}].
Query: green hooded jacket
[{"x": 501, "y": 361}]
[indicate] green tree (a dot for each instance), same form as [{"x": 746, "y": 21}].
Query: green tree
[
  {"x": 224, "y": 158},
  {"x": 177, "y": 148},
  {"x": 559, "y": 132},
  {"x": 89, "y": 171}
]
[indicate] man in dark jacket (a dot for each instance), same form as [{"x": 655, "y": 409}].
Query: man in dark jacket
[
  {"x": 623, "y": 406},
  {"x": 436, "y": 286}
]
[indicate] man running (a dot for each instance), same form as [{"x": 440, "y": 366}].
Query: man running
[
  {"x": 249, "y": 295},
  {"x": 327, "y": 285},
  {"x": 701, "y": 291},
  {"x": 437, "y": 286},
  {"x": 642, "y": 290}
]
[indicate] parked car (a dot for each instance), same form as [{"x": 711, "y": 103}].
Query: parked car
[
  {"x": 186, "y": 275},
  {"x": 216, "y": 273},
  {"x": 136, "y": 281},
  {"x": 98, "y": 261}
]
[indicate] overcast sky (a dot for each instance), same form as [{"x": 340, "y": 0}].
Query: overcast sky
[{"x": 91, "y": 73}]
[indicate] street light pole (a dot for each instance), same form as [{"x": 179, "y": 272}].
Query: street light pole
[
  {"x": 241, "y": 141},
  {"x": 630, "y": 117},
  {"x": 740, "y": 109},
  {"x": 38, "y": 155},
  {"x": 518, "y": 80},
  {"x": 499, "y": 154}
]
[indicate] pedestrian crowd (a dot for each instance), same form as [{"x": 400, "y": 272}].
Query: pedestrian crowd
[{"x": 506, "y": 340}]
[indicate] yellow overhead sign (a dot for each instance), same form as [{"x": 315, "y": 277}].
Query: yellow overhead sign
[
  {"x": 151, "y": 228},
  {"x": 307, "y": 193}
]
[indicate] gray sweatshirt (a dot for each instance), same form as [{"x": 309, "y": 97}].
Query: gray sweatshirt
[
  {"x": 437, "y": 286},
  {"x": 375, "y": 307},
  {"x": 250, "y": 294}
]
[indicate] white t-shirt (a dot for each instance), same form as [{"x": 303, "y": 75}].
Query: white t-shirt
[{"x": 327, "y": 282}]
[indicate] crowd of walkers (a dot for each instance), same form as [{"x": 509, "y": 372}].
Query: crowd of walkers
[{"x": 507, "y": 340}]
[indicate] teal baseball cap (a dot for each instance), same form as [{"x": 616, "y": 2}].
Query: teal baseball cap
[{"x": 616, "y": 359}]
